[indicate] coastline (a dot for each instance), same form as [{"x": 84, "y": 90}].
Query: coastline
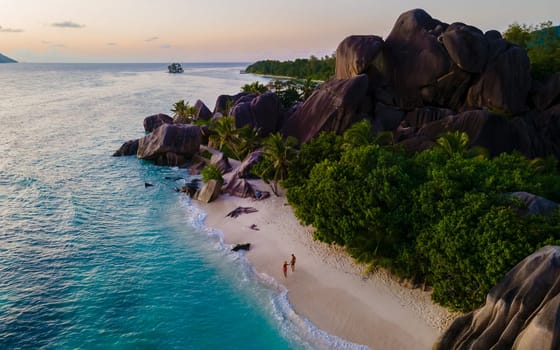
[{"x": 327, "y": 287}]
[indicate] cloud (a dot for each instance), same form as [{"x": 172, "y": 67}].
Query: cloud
[
  {"x": 166, "y": 46},
  {"x": 10, "y": 30},
  {"x": 111, "y": 44},
  {"x": 152, "y": 39},
  {"x": 67, "y": 24}
]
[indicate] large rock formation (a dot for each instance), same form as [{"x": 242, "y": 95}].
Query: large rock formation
[
  {"x": 170, "y": 144},
  {"x": 263, "y": 112},
  {"x": 521, "y": 311},
  {"x": 334, "y": 106},
  {"x": 128, "y": 148},
  {"x": 154, "y": 121}
]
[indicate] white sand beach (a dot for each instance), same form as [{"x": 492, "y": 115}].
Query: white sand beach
[{"x": 327, "y": 287}]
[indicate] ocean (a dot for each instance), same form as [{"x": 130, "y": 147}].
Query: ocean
[{"x": 90, "y": 258}]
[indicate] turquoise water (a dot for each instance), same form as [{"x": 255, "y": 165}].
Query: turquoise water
[{"x": 89, "y": 257}]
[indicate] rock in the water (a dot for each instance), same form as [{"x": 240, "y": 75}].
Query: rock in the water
[
  {"x": 154, "y": 121},
  {"x": 334, "y": 106},
  {"x": 521, "y": 311},
  {"x": 129, "y": 148},
  {"x": 170, "y": 144}
]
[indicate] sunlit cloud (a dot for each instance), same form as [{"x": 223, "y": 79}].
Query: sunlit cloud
[
  {"x": 67, "y": 24},
  {"x": 10, "y": 30},
  {"x": 154, "y": 38}
]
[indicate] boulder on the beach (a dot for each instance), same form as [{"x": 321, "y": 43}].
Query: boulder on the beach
[
  {"x": 244, "y": 169},
  {"x": 241, "y": 246},
  {"x": 239, "y": 187},
  {"x": 467, "y": 46},
  {"x": 333, "y": 106},
  {"x": 221, "y": 161},
  {"x": 170, "y": 144},
  {"x": 521, "y": 311},
  {"x": 154, "y": 121},
  {"x": 224, "y": 102},
  {"x": 209, "y": 192},
  {"x": 129, "y": 148}
]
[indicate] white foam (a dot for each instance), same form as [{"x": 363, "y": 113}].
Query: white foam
[{"x": 295, "y": 328}]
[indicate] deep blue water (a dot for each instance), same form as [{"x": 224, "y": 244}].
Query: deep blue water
[{"x": 89, "y": 257}]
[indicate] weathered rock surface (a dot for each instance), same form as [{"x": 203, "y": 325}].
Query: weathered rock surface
[
  {"x": 521, "y": 311},
  {"x": 244, "y": 169},
  {"x": 239, "y": 187},
  {"x": 225, "y": 101},
  {"x": 355, "y": 55},
  {"x": 221, "y": 161},
  {"x": 129, "y": 148},
  {"x": 547, "y": 93},
  {"x": 263, "y": 112},
  {"x": 202, "y": 111},
  {"x": 414, "y": 56},
  {"x": 467, "y": 46},
  {"x": 535, "y": 204},
  {"x": 334, "y": 106},
  {"x": 154, "y": 121},
  {"x": 209, "y": 192},
  {"x": 170, "y": 144}
]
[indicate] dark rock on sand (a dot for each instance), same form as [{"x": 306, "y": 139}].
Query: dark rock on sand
[
  {"x": 221, "y": 161},
  {"x": 244, "y": 169},
  {"x": 521, "y": 311},
  {"x": 241, "y": 246}
]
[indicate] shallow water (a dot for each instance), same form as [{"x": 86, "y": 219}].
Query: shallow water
[{"x": 89, "y": 257}]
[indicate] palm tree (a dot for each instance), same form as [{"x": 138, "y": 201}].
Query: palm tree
[
  {"x": 183, "y": 112},
  {"x": 453, "y": 142},
  {"x": 360, "y": 134},
  {"x": 277, "y": 155},
  {"x": 224, "y": 135}
]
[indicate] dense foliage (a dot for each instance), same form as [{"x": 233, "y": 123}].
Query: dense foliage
[
  {"x": 442, "y": 216},
  {"x": 302, "y": 68},
  {"x": 212, "y": 172},
  {"x": 289, "y": 91},
  {"x": 542, "y": 43}
]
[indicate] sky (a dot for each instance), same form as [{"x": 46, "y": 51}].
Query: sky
[{"x": 225, "y": 31}]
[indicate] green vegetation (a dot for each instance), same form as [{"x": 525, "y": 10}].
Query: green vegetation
[
  {"x": 313, "y": 68},
  {"x": 542, "y": 43},
  {"x": 289, "y": 91},
  {"x": 278, "y": 152},
  {"x": 441, "y": 216},
  {"x": 212, "y": 172},
  {"x": 183, "y": 112},
  {"x": 234, "y": 142}
]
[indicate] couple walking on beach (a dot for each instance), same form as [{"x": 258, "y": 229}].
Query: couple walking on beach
[{"x": 292, "y": 264}]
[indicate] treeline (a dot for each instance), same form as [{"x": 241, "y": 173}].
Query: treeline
[
  {"x": 542, "y": 43},
  {"x": 445, "y": 216},
  {"x": 302, "y": 68}
]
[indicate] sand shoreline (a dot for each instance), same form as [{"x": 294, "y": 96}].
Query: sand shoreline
[{"x": 326, "y": 287}]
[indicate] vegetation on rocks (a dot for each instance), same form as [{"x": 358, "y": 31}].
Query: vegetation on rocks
[{"x": 542, "y": 43}]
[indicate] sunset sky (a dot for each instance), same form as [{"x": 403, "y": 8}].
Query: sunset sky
[{"x": 221, "y": 30}]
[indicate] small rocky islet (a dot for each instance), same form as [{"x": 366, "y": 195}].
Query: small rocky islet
[{"x": 426, "y": 78}]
